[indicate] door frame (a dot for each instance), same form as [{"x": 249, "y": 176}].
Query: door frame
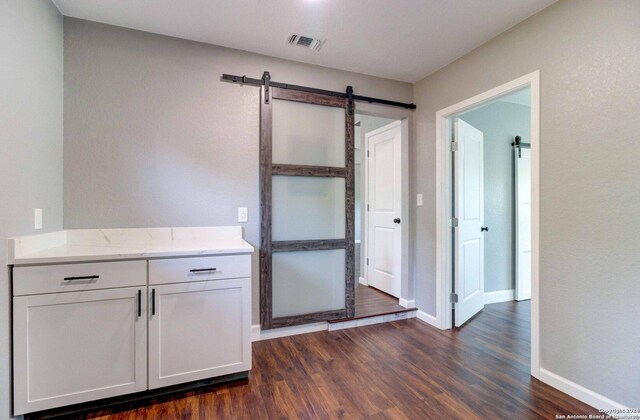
[
  {"x": 444, "y": 191},
  {"x": 406, "y": 291}
]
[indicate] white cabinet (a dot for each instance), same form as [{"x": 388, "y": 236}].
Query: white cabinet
[
  {"x": 198, "y": 330},
  {"x": 80, "y": 330},
  {"x": 78, "y": 346}
]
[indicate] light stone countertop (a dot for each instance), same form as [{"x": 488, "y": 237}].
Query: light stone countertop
[{"x": 86, "y": 245}]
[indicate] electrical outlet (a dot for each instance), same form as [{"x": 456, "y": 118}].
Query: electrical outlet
[
  {"x": 243, "y": 215},
  {"x": 37, "y": 219},
  {"x": 419, "y": 199}
]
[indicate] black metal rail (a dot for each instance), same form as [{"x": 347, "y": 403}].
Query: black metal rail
[{"x": 260, "y": 82}]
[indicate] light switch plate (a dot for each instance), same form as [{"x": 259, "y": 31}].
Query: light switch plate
[
  {"x": 243, "y": 215},
  {"x": 37, "y": 219},
  {"x": 419, "y": 199}
]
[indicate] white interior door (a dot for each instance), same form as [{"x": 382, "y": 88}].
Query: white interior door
[
  {"x": 384, "y": 198},
  {"x": 523, "y": 223},
  {"x": 469, "y": 210}
]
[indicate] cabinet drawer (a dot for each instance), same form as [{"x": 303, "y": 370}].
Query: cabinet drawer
[
  {"x": 178, "y": 270},
  {"x": 78, "y": 277}
]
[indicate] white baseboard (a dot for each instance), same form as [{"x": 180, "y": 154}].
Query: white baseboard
[
  {"x": 499, "y": 296},
  {"x": 363, "y": 281},
  {"x": 406, "y": 303},
  {"x": 258, "y": 335},
  {"x": 579, "y": 392},
  {"x": 429, "y": 319}
]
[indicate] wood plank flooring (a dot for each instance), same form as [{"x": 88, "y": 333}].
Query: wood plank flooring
[
  {"x": 398, "y": 370},
  {"x": 370, "y": 301}
]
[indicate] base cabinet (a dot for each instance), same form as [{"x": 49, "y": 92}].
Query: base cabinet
[
  {"x": 198, "y": 330},
  {"x": 89, "y": 331},
  {"x": 78, "y": 346}
]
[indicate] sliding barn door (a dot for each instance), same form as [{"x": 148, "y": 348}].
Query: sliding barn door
[
  {"x": 307, "y": 205},
  {"x": 523, "y": 222}
]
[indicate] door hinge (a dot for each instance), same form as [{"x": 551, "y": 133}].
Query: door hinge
[
  {"x": 454, "y": 146},
  {"x": 367, "y": 207},
  {"x": 453, "y": 222},
  {"x": 367, "y": 261},
  {"x": 453, "y": 298},
  {"x": 367, "y": 153}
]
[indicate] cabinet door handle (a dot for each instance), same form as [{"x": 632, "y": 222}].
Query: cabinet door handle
[
  {"x": 82, "y": 278},
  {"x": 153, "y": 301},
  {"x": 139, "y": 303},
  {"x": 201, "y": 270}
]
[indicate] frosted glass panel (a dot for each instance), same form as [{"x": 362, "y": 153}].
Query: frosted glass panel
[
  {"x": 307, "y": 208},
  {"x": 307, "y": 282},
  {"x": 306, "y": 134}
]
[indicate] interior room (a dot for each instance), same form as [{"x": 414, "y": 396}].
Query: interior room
[
  {"x": 492, "y": 235},
  {"x": 281, "y": 210}
]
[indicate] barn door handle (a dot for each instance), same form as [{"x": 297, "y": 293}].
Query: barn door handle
[
  {"x": 484, "y": 229},
  {"x": 396, "y": 220}
]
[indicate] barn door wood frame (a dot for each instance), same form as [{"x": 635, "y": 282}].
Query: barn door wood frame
[{"x": 268, "y": 169}]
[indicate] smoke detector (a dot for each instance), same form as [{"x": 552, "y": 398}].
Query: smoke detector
[{"x": 305, "y": 41}]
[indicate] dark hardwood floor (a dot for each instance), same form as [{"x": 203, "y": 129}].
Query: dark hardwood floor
[
  {"x": 403, "y": 369},
  {"x": 371, "y": 301}
]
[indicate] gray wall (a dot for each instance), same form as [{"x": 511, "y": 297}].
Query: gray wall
[
  {"x": 30, "y": 136},
  {"x": 154, "y": 138},
  {"x": 500, "y": 122},
  {"x": 588, "y": 53}
]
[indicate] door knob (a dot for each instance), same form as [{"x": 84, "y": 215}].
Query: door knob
[
  {"x": 396, "y": 220},
  {"x": 484, "y": 229}
]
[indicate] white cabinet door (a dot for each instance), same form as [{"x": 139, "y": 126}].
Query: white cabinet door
[
  {"x": 78, "y": 346},
  {"x": 198, "y": 330}
]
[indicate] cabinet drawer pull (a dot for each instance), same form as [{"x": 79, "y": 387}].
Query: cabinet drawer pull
[
  {"x": 153, "y": 301},
  {"x": 81, "y": 278},
  {"x": 139, "y": 303},
  {"x": 201, "y": 270}
]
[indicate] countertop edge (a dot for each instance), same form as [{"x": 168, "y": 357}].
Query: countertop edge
[{"x": 22, "y": 262}]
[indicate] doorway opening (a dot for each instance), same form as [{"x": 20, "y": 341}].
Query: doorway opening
[
  {"x": 492, "y": 205},
  {"x": 379, "y": 215},
  {"x": 487, "y": 209}
]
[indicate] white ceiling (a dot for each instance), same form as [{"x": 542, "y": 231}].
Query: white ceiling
[{"x": 402, "y": 39}]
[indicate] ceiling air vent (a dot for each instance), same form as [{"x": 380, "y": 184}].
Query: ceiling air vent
[{"x": 305, "y": 41}]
